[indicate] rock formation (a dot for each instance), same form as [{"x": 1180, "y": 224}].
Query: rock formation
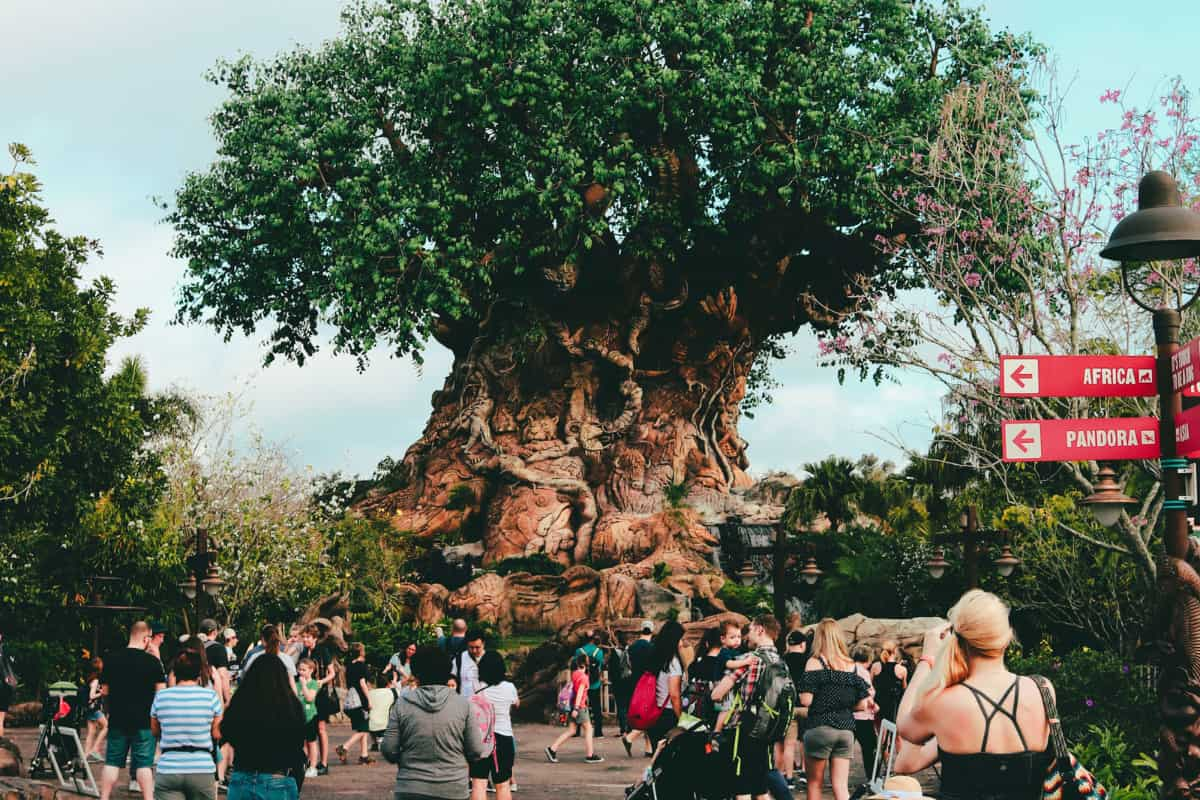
[
  {"x": 908, "y": 633},
  {"x": 568, "y": 443}
]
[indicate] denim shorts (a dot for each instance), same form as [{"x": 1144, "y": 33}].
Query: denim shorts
[
  {"x": 261, "y": 786},
  {"x": 138, "y": 746}
]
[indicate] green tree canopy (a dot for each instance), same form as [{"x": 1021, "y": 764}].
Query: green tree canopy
[
  {"x": 77, "y": 480},
  {"x": 436, "y": 158}
]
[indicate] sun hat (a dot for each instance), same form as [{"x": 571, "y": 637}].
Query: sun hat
[{"x": 901, "y": 787}]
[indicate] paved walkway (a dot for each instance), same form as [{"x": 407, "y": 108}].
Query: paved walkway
[{"x": 536, "y": 779}]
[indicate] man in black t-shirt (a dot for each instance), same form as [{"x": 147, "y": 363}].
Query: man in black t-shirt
[{"x": 130, "y": 679}]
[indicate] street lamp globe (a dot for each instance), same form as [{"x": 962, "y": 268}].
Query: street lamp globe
[
  {"x": 188, "y": 588},
  {"x": 212, "y": 582},
  {"x": 1107, "y": 501},
  {"x": 748, "y": 575},
  {"x": 937, "y": 565},
  {"x": 811, "y": 572},
  {"x": 1007, "y": 562}
]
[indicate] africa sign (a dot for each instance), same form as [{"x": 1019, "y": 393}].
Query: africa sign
[{"x": 1077, "y": 376}]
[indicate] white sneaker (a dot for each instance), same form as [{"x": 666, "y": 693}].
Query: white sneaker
[
  {"x": 133, "y": 786},
  {"x": 311, "y": 772},
  {"x": 513, "y": 786}
]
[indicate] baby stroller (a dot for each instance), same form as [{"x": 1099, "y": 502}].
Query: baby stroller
[
  {"x": 58, "y": 752},
  {"x": 690, "y": 766}
]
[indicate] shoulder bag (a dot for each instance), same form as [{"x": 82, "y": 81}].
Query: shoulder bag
[{"x": 1066, "y": 778}]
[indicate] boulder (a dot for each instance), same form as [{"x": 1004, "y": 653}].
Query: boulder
[
  {"x": 10, "y": 758},
  {"x": 656, "y": 602},
  {"x": 908, "y": 633}
]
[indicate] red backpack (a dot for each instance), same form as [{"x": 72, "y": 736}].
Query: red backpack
[{"x": 643, "y": 710}]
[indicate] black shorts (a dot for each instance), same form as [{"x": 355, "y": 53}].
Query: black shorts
[
  {"x": 310, "y": 730},
  {"x": 358, "y": 720},
  {"x": 751, "y": 762},
  {"x": 499, "y": 765},
  {"x": 327, "y": 705},
  {"x": 6, "y": 696}
]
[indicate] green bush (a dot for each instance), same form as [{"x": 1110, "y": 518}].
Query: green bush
[
  {"x": 1096, "y": 690},
  {"x": 536, "y": 564},
  {"x": 383, "y": 637},
  {"x": 746, "y": 600},
  {"x": 1125, "y": 772},
  {"x": 40, "y": 663},
  {"x": 662, "y": 571}
]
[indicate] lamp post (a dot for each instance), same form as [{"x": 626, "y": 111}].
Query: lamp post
[
  {"x": 1162, "y": 229},
  {"x": 101, "y": 588},
  {"x": 974, "y": 541},
  {"x": 203, "y": 577}
]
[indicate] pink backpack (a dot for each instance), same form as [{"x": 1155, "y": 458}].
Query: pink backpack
[
  {"x": 484, "y": 716},
  {"x": 643, "y": 710}
]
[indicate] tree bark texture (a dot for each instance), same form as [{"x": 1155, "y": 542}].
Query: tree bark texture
[
  {"x": 565, "y": 446},
  {"x": 1177, "y": 646}
]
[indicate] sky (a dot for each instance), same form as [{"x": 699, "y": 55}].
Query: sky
[{"x": 112, "y": 101}]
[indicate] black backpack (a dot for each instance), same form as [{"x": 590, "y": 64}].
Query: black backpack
[{"x": 768, "y": 714}]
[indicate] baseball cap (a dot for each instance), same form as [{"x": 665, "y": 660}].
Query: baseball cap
[
  {"x": 647, "y": 626},
  {"x": 229, "y": 633},
  {"x": 157, "y": 628},
  {"x": 208, "y": 626}
]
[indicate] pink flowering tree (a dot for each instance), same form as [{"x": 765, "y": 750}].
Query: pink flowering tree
[{"x": 1011, "y": 220}]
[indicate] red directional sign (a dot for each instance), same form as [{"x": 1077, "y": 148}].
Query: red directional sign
[
  {"x": 1187, "y": 432},
  {"x": 1185, "y": 365},
  {"x": 1107, "y": 439},
  {"x": 1077, "y": 376}
]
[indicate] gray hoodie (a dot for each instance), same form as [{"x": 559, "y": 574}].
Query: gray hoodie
[{"x": 431, "y": 736}]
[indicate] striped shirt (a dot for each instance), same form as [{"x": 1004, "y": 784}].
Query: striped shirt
[{"x": 185, "y": 714}]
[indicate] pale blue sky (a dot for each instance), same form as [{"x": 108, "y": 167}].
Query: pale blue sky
[{"x": 110, "y": 98}]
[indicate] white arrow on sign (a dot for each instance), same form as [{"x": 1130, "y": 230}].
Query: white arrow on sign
[
  {"x": 1022, "y": 440},
  {"x": 1020, "y": 376}
]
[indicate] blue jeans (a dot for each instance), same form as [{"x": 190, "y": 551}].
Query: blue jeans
[{"x": 261, "y": 786}]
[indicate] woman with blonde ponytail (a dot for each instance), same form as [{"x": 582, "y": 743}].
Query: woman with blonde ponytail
[{"x": 990, "y": 725}]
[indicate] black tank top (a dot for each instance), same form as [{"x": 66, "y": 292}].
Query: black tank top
[
  {"x": 888, "y": 690},
  {"x": 995, "y": 776}
]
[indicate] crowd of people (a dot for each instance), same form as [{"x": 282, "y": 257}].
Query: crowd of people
[
  {"x": 205, "y": 720},
  {"x": 957, "y": 704},
  {"x": 257, "y": 726}
]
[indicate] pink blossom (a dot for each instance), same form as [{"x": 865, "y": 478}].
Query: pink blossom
[
  {"x": 1110, "y": 96},
  {"x": 824, "y": 347},
  {"x": 1153, "y": 277},
  {"x": 972, "y": 279},
  {"x": 986, "y": 223}
]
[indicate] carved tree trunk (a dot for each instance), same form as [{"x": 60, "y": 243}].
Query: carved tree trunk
[{"x": 565, "y": 446}]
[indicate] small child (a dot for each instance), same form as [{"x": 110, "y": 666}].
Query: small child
[
  {"x": 731, "y": 656},
  {"x": 381, "y": 699},
  {"x": 306, "y": 690}
]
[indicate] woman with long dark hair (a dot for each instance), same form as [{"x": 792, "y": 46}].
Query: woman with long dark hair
[
  {"x": 667, "y": 666},
  {"x": 668, "y": 691},
  {"x": 265, "y": 725}
]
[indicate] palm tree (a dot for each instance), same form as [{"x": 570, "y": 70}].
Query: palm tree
[{"x": 832, "y": 487}]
